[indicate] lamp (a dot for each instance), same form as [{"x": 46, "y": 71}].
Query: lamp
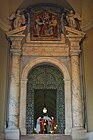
[{"x": 44, "y": 109}]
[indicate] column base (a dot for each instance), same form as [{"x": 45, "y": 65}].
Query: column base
[
  {"x": 12, "y": 134},
  {"x": 23, "y": 131},
  {"x": 79, "y": 134},
  {"x": 68, "y": 131}
]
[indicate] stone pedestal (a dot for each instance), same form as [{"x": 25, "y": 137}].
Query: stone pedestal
[
  {"x": 12, "y": 134},
  {"x": 79, "y": 134}
]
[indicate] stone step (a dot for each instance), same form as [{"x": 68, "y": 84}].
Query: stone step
[{"x": 46, "y": 137}]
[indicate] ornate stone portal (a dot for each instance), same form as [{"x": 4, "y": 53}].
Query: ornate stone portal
[{"x": 56, "y": 47}]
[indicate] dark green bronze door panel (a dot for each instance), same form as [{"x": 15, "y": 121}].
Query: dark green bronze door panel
[
  {"x": 49, "y": 100},
  {"x": 45, "y": 78}
]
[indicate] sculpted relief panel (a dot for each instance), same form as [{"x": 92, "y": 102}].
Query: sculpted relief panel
[{"x": 45, "y": 24}]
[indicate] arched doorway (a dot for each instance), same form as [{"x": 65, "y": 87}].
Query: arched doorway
[
  {"x": 46, "y": 79},
  {"x": 67, "y": 89}
]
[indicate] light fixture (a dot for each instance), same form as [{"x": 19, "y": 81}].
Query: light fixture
[{"x": 44, "y": 109}]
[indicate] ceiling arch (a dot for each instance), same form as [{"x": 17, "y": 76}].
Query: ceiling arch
[{"x": 63, "y": 3}]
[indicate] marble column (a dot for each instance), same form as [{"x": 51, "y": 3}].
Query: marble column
[
  {"x": 76, "y": 90},
  {"x": 12, "y": 132},
  {"x": 77, "y": 115}
]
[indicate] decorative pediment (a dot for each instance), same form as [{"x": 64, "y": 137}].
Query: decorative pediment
[
  {"x": 71, "y": 32},
  {"x": 16, "y": 32}
]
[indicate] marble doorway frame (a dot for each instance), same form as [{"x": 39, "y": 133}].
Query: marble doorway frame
[{"x": 67, "y": 90}]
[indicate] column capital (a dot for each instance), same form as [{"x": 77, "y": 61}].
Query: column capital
[
  {"x": 16, "y": 36},
  {"x": 75, "y": 37},
  {"x": 74, "y": 45},
  {"x": 16, "y": 41}
]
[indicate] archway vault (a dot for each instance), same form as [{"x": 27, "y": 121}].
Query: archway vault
[{"x": 67, "y": 89}]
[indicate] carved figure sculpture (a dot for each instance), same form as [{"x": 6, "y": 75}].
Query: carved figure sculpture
[
  {"x": 70, "y": 19},
  {"x": 19, "y": 20},
  {"x": 16, "y": 19},
  {"x": 73, "y": 20}
]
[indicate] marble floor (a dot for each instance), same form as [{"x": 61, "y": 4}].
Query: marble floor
[{"x": 46, "y": 137}]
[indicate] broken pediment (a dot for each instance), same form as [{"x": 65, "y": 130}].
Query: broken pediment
[
  {"x": 71, "y": 32},
  {"x": 17, "y": 32}
]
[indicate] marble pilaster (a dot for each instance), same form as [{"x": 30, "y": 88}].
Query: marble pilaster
[
  {"x": 74, "y": 36},
  {"x": 12, "y": 132},
  {"x": 77, "y": 123},
  {"x": 76, "y": 91},
  {"x": 14, "y": 91},
  {"x": 78, "y": 131},
  {"x": 22, "y": 121}
]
